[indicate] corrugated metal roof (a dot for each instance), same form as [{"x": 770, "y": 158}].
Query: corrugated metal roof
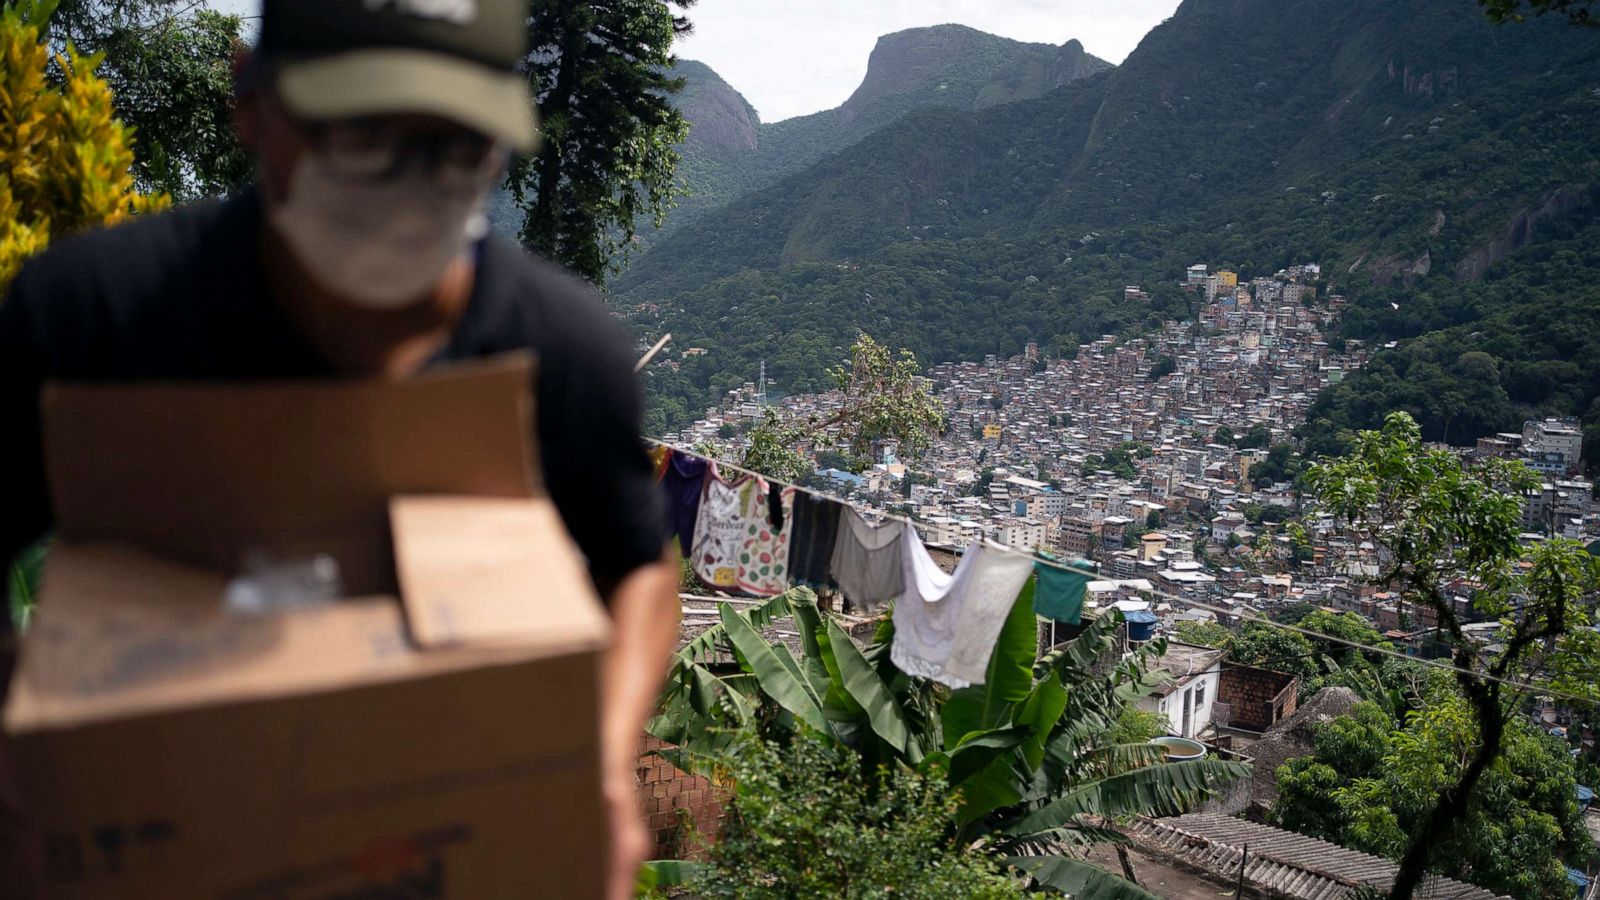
[{"x": 1280, "y": 863}]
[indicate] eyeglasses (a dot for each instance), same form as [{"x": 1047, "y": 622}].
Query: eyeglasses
[{"x": 382, "y": 149}]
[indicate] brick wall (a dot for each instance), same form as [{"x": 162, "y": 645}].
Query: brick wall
[
  {"x": 1257, "y": 698},
  {"x": 672, "y": 796}
]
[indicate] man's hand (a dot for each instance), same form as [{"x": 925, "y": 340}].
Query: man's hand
[{"x": 644, "y": 614}]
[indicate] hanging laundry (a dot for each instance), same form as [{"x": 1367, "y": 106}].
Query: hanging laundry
[
  {"x": 868, "y": 564},
  {"x": 815, "y": 531},
  {"x": 1059, "y": 595},
  {"x": 660, "y": 458},
  {"x": 946, "y": 624},
  {"x": 736, "y": 548},
  {"x": 775, "y": 513},
  {"x": 684, "y": 484}
]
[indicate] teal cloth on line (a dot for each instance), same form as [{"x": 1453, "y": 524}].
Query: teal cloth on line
[{"x": 1059, "y": 594}]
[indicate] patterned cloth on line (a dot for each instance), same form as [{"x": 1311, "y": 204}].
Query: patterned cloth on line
[{"x": 736, "y": 547}]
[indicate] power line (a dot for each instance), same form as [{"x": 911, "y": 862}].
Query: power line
[{"x": 1054, "y": 564}]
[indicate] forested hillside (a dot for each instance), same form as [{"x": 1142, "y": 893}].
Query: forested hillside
[
  {"x": 1427, "y": 158},
  {"x": 730, "y": 153}
]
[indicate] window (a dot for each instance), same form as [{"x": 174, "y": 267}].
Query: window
[{"x": 1200, "y": 695}]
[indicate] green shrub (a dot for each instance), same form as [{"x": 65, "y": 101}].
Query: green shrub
[{"x": 805, "y": 822}]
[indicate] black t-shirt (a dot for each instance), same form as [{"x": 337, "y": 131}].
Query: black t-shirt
[{"x": 180, "y": 296}]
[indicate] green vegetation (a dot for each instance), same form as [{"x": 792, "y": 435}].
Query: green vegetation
[
  {"x": 882, "y": 399},
  {"x": 170, "y": 69},
  {"x": 1479, "y": 358},
  {"x": 1204, "y": 634},
  {"x": 1373, "y": 783},
  {"x": 1117, "y": 461},
  {"x": 1434, "y": 520},
  {"x": 1281, "y": 464},
  {"x": 1029, "y": 756},
  {"x": 608, "y": 129},
  {"x": 804, "y": 821},
  {"x": 1580, "y": 12},
  {"x": 65, "y": 160}
]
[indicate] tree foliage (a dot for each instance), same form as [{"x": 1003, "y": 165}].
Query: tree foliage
[
  {"x": 804, "y": 820},
  {"x": 1433, "y": 520},
  {"x": 1372, "y": 783},
  {"x": 599, "y": 72},
  {"x": 65, "y": 159},
  {"x": 170, "y": 67},
  {"x": 882, "y": 398},
  {"x": 1204, "y": 634},
  {"x": 1579, "y": 12}
]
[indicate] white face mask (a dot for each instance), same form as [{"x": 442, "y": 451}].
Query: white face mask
[{"x": 381, "y": 244}]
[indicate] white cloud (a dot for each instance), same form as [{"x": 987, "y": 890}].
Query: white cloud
[{"x": 790, "y": 59}]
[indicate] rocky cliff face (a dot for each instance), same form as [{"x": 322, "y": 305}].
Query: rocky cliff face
[
  {"x": 1072, "y": 62},
  {"x": 720, "y": 118},
  {"x": 956, "y": 66},
  {"x": 730, "y": 152},
  {"x": 1524, "y": 225}
]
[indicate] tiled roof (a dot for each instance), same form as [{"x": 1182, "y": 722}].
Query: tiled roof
[{"x": 1280, "y": 863}]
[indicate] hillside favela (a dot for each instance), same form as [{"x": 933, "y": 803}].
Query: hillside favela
[{"x": 731, "y": 449}]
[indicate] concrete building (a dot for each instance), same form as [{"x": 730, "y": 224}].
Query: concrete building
[
  {"x": 1563, "y": 437},
  {"x": 1186, "y": 696}
]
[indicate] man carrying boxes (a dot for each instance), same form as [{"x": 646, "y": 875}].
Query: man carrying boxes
[{"x": 404, "y": 739}]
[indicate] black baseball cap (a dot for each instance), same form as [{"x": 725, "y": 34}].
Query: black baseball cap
[{"x": 457, "y": 59}]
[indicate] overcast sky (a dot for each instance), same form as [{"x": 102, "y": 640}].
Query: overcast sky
[{"x": 792, "y": 58}]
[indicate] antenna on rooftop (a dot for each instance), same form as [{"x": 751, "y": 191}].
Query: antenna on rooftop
[{"x": 761, "y": 386}]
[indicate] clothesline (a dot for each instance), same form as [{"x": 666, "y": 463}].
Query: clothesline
[{"x": 1065, "y": 567}]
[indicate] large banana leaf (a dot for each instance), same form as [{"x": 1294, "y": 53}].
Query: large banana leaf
[
  {"x": 808, "y": 621},
  {"x": 1081, "y": 652},
  {"x": 781, "y": 651},
  {"x": 1159, "y": 790},
  {"x": 1012, "y": 775},
  {"x": 660, "y": 873},
  {"x": 1093, "y": 707},
  {"x": 975, "y": 755},
  {"x": 1114, "y": 759},
  {"x": 699, "y": 717},
  {"x": 863, "y": 685},
  {"x": 996, "y": 786},
  {"x": 1009, "y": 680},
  {"x": 837, "y": 702},
  {"x": 779, "y": 677},
  {"x": 1040, "y": 712},
  {"x": 1078, "y": 878}
]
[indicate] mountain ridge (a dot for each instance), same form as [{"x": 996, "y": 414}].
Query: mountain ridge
[
  {"x": 1398, "y": 140},
  {"x": 942, "y": 65}
]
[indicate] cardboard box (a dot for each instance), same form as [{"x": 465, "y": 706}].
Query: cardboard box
[{"x": 439, "y": 740}]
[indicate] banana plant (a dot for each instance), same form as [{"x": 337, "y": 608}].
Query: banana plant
[{"x": 1026, "y": 749}]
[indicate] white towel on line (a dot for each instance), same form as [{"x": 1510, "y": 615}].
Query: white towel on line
[{"x": 945, "y": 625}]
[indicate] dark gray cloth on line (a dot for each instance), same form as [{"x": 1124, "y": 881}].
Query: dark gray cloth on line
[
  {"x": 811, "y": 543},
  {"x": 867, "y": 563}
]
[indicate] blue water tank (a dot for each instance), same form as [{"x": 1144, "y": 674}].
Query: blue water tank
[{"x": 1141, "y": 625}]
